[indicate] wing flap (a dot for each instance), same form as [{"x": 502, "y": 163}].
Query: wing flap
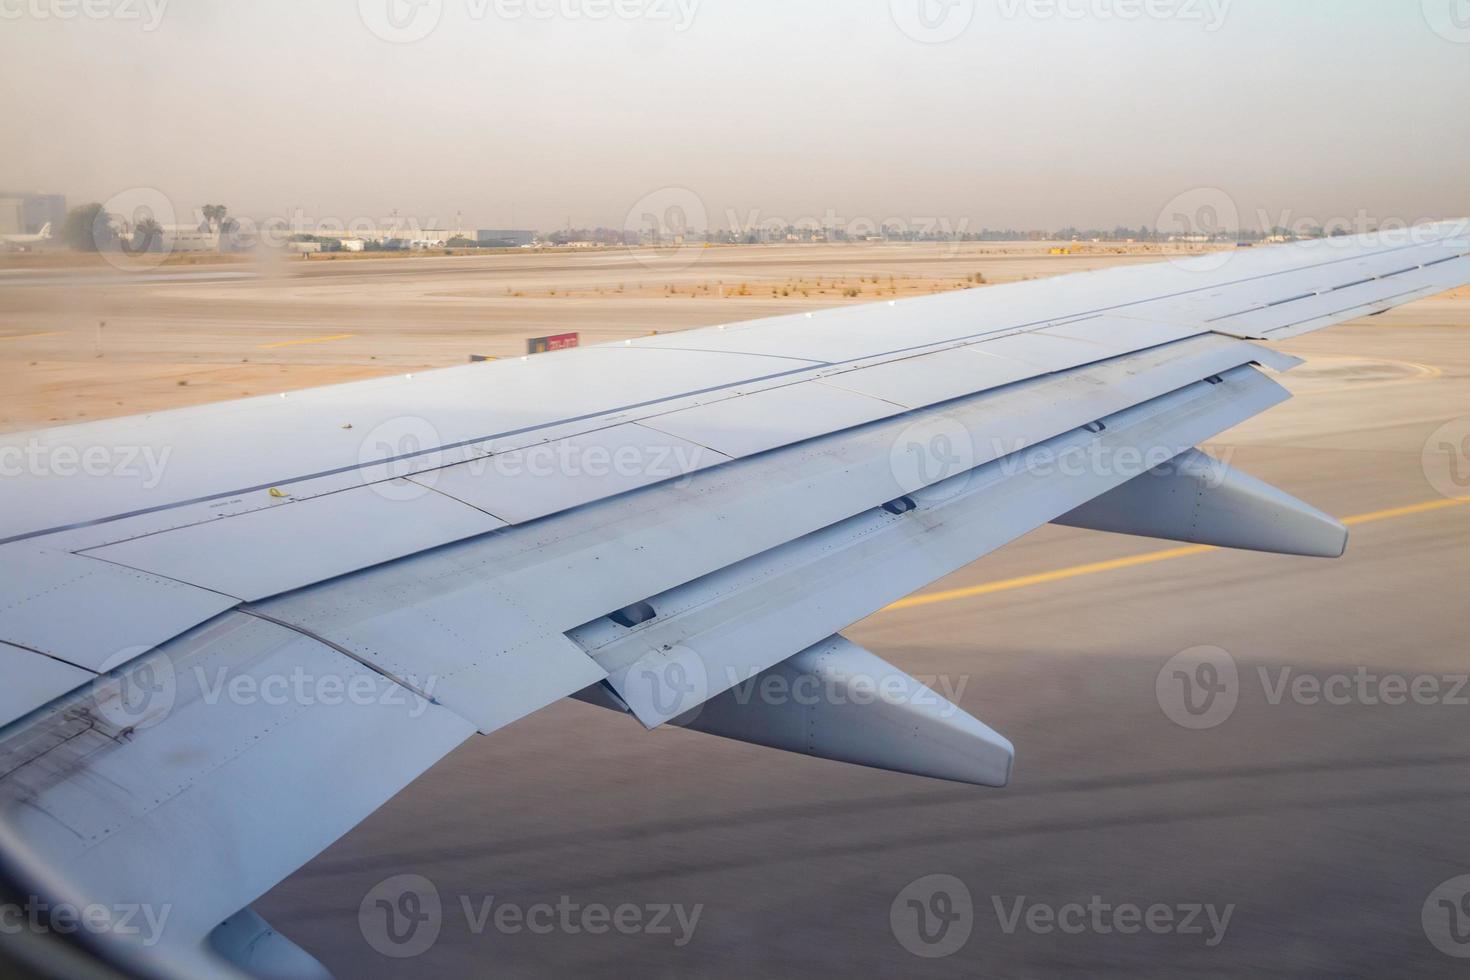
[
  {"x": 714, "y": 633},
  {"x": 459, "y": 640},
  {"x": 163, "y": 785},
  {"x": 435, "y": 614}
]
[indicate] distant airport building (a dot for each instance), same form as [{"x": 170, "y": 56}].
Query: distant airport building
[
  {"x": 504, "y": 238},
  {"x": 189, "y": 238},
  {"x": 26, "y": 212},
  {"x": 408, "y": 235}
]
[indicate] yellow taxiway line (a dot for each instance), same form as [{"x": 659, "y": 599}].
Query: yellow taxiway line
[
  {"x": 1134, "y": 561},
  {"x": 308, "y": 340},
  {"x": 33, "y": 336}
]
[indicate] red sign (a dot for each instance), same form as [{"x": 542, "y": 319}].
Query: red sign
[{"x": 562, "y": 341}]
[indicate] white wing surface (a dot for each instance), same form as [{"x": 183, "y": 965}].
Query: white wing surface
[{"x": 218, "y": 663}]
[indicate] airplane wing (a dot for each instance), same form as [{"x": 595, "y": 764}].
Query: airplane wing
[{"x": 229, "y": 633}]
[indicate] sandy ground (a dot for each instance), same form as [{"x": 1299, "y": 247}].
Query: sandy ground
[
  {"x": 91, "y": 342},
  {"x": 1322, "y": 828}
]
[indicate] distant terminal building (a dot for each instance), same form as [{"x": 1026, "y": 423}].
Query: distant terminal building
[
  {"x": 504, "y": 238},
  {"x": 403, "y": 237},
  {"x": 190, "y": 238},
  {"x": 27, "y": 212},
  {"x": 172, "y": 238}
]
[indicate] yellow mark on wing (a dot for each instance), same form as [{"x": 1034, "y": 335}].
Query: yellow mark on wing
[
  {"x": 1135, "y": 561},
  {"x": 308, "y": 340}
]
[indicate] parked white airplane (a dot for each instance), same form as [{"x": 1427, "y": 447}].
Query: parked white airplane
[
  {"x": 232, "y": 632},
  {"x": 23, "y": 241}
]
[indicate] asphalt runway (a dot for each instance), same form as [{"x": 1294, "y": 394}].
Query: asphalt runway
[{"x": 1300, "y": 834}]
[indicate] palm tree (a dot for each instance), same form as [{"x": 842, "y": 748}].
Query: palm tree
[
  {"x": 215, "y": 217},
  {"x": 146, "y": 234}
]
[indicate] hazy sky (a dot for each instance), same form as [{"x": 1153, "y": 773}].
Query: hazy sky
[{"x": 1037, "y": 114}]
